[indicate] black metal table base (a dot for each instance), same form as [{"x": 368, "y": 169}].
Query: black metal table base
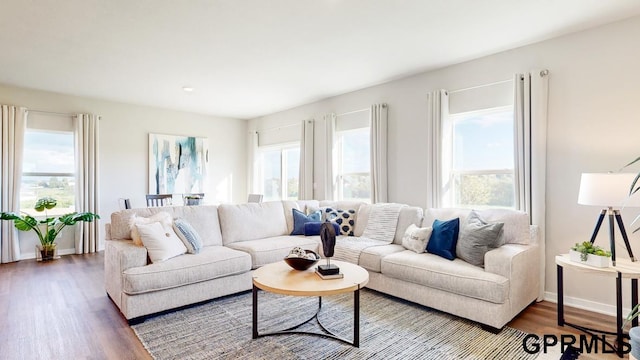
[
  {"x": 619, "y": 333},
  {"x": 326, "y": 332}
]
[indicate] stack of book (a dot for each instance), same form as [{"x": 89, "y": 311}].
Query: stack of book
[{"x": 328, "y": 277}]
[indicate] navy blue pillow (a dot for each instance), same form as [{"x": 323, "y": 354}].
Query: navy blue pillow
[
  {"x": 444, "y": 238},
  {"x": 313, "y": 228},
  {"x": 300, "y": 218}
]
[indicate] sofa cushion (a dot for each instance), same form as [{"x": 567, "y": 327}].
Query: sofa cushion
[
  {"x": 371, "y": 257},
  {"x": 288, "y": 206},
  {"x": 416, "y": 239},
  {"x": 252, "y": 221},
  {"x": 313, "y": 228},
  {"x": 273, "y": 249},
  {"x": 457, "y": 276},
  {"x": 300, "y": 219},
  {"x": 161, "y": 243},
  {"x": 163, "y": 218},
  {"x": 203, "y": 218},
  {"x": 444, "y": 236},
  {"x": 477, "y": 237},
  {"x": 349, "y": 248},
  {"x": 516, "y": 223},
  {"x": 213, "y": 262},
  {"x": 188, "y": 235}
]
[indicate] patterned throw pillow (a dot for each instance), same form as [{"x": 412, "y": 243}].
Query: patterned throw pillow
[
  {"x": 346, "y": 219},
  {"x": 188, "y": 235}
]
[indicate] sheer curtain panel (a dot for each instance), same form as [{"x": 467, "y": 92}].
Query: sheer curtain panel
[
  {"x": 14, "y": 124},
  {"x": 379, "y": 124},
  {"x": 530, "y": 106},
  {"x": 252, "y": 163},
  {"x": 87, "y": 234},
  {"x": 438, "y": 103},
  {"x": 330, "y": 162},
  {"x": 305, "y": 183}
]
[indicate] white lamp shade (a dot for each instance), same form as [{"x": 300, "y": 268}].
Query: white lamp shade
[{"x": 607, "y": 190}]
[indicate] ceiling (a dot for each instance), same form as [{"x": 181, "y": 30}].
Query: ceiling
[{"x": 247, "y": 58}]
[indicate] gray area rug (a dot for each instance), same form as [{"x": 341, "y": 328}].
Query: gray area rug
[{"x": 390, "y": 328}]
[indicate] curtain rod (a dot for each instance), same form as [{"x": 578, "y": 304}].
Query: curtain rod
[
  {"x": 49, "y": 113},
  {"x": 278, "y": 127},
  {"x": 480, "y": 86}
]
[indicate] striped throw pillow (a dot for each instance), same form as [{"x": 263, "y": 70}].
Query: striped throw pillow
[{"x": 188, "y": 235}]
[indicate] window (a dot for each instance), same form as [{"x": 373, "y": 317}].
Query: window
[
  {"x": 279, "y": 172},
  {"x": 48, "y": 170},
  {"x": 353, "y": 164},
  {"x": 480, "y": 158}
]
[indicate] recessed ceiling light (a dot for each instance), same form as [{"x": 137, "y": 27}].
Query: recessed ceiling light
[{"x": 187, "y": 88}]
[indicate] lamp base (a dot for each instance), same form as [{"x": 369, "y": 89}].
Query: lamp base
[{"x": 328, "y": 269}]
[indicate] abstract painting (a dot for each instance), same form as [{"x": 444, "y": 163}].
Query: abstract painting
[{"x": 178, "y": 164}]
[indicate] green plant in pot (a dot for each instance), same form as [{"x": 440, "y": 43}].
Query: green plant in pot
[
  {"x": 48, "y": 228},
  {"x": 586, "y": 247}
]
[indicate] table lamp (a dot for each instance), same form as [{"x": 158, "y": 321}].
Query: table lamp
[{"x": 610, "y": 191}]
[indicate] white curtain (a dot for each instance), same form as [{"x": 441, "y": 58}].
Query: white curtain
[
  {"x": 379, "y": 187},
  {"x": 330, "y": 162},
  {"x": 530, "y": 105},
  {"x": 252, "y": 168},
  {"x": 438, "y": 102},
  {"x": 87, "y": 234},
  {"x": 305, "y": 183},
  {"x": 14, "y": 124}
]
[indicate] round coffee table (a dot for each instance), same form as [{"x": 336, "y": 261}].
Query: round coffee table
[{"x": 280, "y": 278}]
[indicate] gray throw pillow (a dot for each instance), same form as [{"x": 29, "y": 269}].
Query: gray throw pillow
[{"x": 477, "y": 237}]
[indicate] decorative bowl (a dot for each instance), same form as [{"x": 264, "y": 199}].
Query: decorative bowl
[{"x": 302, "y": 263}]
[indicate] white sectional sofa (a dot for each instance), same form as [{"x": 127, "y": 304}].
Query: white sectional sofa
[{"x": 239, "y": 238}]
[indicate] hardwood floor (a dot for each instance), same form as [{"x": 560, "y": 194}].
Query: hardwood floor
[{"x": 59, "y": 310}]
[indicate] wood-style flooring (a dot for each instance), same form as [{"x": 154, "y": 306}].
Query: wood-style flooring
[{"x": 59, "y": 310}]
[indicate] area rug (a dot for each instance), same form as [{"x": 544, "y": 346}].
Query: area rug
[{"x": 390, "y": 328}]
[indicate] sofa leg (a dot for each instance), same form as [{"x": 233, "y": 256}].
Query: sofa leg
[{"x": 491, "y": 329}]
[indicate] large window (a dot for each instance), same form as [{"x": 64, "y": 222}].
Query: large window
[
  {"x": 481, "y": 159},
  {"x": 279, "y": 172},
  {"x": 353, "y": 164},
  {"x": 48, "y": 170}
]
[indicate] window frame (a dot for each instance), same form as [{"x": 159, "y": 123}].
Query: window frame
[
  {"x": 50, "y": 174},
  {"x": 340, "y": 174},
  {"x": 284, "y": 187},
  {"x": 449, "y": 158}
]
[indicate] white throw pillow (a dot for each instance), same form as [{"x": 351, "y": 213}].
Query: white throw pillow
[
  {"x": 416, "y": 238},
  {"x": 160, "y": 243},
  {"x": 163, "y": 217}
]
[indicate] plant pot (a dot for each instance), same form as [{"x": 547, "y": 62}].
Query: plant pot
[
  {"x": 190, "y": 202},
  {"x": 592, "y": 260},
  {"x": 46, "y": 252}
]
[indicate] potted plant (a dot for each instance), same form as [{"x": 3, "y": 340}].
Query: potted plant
[
  {"x": 590, "y": 254},
  {"x": 193, "y": 199},
  {"x": 48, "y": 228}
]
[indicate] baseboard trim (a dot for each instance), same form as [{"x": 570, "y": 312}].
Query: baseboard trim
[
  {"x": 583, "y": 304},
  {"x": 32, "y": 255}
]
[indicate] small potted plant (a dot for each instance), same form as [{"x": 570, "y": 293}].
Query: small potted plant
[
  {"x": 590, "y": 254},
  {"x": 192, "y": 199},
  {"x": 48, "y": 228}
]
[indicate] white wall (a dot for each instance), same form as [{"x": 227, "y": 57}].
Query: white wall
[
  {"x": 124, "y": 137},
  {"x": 594, "y": 124}
]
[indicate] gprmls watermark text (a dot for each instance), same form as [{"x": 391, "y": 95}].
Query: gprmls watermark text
[{"x": 587, "y": 344}]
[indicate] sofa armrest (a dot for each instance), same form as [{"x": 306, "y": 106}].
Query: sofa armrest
[
  {"x": 120, "y": 255},
  {"x": 520, "y": 264}
]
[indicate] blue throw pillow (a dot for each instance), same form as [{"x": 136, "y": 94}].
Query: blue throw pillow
[
  {"x": 444, "y": 238},
  {"x": 313, "y": 228},
  {"x": 300, "y": 218}
]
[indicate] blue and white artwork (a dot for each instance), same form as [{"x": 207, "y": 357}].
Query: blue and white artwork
[{"x": 178, "y": 164}]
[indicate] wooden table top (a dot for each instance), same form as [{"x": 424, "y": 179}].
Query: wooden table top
[
  {"x": 280, "y": 278},
  {"x": 628, "y": 268}
]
